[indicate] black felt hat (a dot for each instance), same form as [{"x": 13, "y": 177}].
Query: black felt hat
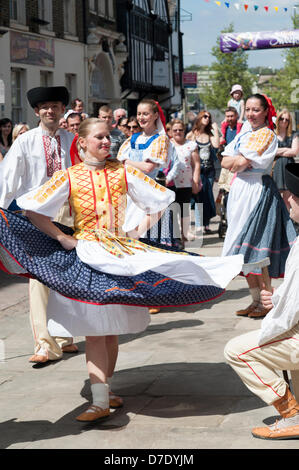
[
  {"x": 292, "y": 178},
  {"x": 43, "y": 94}
]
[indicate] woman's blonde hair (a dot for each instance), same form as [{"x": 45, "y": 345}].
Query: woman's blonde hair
[
  {"x": 290, "y": 125},
  {"x": 177, "y": 121},
  {"x": 151, "y": 103},
  {"x": 17, "y": 129},
  {"x": 85, "y": 126}
]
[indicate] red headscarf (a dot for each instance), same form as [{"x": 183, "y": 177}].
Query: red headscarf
[
  {"x": 161, "y": 115},
  {"x": 271, "y": 112},
  {"x": 75, "y": 157}
]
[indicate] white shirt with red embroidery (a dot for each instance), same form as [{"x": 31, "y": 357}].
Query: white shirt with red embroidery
[{"x": 31, "y": 161}]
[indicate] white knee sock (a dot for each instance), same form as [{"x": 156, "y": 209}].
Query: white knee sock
[{"x": 100, "y": 395}]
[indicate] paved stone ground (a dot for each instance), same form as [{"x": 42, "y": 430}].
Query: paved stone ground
[{"x": 178, "y": 391}]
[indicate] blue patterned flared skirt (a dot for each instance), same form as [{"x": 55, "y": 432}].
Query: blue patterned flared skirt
[
  {"x": 269, "y": 231},
  {"x": 63, "y": 271}
]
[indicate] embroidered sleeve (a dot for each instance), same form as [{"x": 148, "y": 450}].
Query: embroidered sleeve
[
  {"x": 124, "y": 151},
  {"x": 259, "y": 141},
  {"x": 159, "y": 150},
  {"x": 260, "y": 147},
  {"x": 146, "y": 192},
  {"x": 48, "y": 198}
]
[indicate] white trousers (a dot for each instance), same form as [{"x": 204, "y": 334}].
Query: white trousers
[
  {"x": 38, "y": 298},
  {"x": 258, "y": 365},
  {"x": 39, "y": 294}
]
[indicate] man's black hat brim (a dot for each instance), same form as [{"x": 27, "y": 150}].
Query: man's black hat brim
[
  {"x": 292, "y": 178},
  {"x": 43, "y": 94}
]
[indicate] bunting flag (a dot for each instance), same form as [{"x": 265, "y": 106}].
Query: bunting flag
[{"x": 247, "y": 6}]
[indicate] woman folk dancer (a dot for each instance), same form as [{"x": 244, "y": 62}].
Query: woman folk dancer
[
  {"x": 150, "y": 151},
  {"x": 101, "y": 280},
  {"x": 258, "y": 222}
]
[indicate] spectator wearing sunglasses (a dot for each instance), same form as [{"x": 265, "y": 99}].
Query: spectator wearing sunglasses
[
  {"x": 288, "y": 148},
  {"x": 206, "y": 135},
  {"x": 133, "y": 125}
]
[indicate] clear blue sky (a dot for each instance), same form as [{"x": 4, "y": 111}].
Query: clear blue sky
[{"x": 208, "y": 19}]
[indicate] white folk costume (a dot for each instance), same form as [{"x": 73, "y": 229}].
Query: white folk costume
[
  {"x": 107, "y": 268},
  {"x": 31, "y": 161},
  {"x": 33, "y": 158},
  {"x": 139, "y": 148},
  {"x": 258, "y": 222}
]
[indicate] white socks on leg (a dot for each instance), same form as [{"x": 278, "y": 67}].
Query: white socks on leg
[{"x": 100, "y": 395}]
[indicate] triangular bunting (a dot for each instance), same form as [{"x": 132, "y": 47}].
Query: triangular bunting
[
  {"x": 266, "y": 8},
  {"x": 256, "y": 7},
  {"x": 218, "y": 3},
  {"x": 246, "y": 7},
  {"x": 276, "y": 8},
  {"x": 226, "y": 4},
  {"x": 237, "y": 5}
]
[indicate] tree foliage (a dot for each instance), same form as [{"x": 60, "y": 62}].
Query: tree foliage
[
  {"x": 227, "y": 70},
  {"x": 284, "y": 89}
]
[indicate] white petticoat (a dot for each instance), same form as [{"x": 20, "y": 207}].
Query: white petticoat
[
  {"x": 68, "y": 317},
  {"x": 243, "y": 197}
]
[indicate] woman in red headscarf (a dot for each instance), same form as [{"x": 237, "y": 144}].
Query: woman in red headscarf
[
  {"x": 258, "y": 222},
  {"x": 150, "y": 151}
]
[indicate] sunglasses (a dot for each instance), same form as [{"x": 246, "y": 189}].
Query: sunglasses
[
  {"x": 206, "y": 116},
  {"x": 132, "y": 127},
  {"x": 284, "y": 119},
  {"x": 178, "y": 130}
]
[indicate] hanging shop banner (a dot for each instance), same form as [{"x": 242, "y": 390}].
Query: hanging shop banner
[
  {"x": 32, "y": 50},
  {"x": 230, "y": 42}
]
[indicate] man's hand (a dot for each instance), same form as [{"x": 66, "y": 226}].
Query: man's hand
[{"x": 266, "y": 299}]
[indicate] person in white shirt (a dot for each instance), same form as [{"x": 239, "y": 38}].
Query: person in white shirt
[
  {"x": 31, "y": 161},
  {"x": 257, "y": 356}
]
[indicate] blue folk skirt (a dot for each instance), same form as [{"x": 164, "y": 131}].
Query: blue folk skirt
[
  {"x": 44, "y": 259},
  {"x": 269, "y": 231}
]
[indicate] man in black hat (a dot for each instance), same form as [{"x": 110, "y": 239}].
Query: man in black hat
[
  {"x": 258, "y": 355},
  {"x": 30, "y": 162}
]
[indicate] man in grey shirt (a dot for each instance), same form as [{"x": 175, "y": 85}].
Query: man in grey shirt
[{"x": 116, "y": 136}]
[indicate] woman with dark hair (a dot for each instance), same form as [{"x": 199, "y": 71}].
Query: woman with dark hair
[
  {"x": 206, "y": 135},
  {"x": 5, "y": 136},
  {"x": 288, "y": 148},
  {"x": 133, "y": 125},
  {"x": 258, "y": 221}
]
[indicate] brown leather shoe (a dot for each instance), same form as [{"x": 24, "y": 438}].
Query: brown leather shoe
[
  {"x": 70, "y": 348},
  {"x": 93, "y": 413},
  {"x": 277, "y": 431},
  {"x": 115, "y": 401},
  {"x": 245, "y": 311},
  {"x": 154, "y": 310},
  {"x": 258, "y": 312},
  {"x": 39, "y": 359}
]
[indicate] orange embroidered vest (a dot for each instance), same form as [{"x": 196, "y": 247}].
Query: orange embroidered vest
[{"x": 98, "y": 199}]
